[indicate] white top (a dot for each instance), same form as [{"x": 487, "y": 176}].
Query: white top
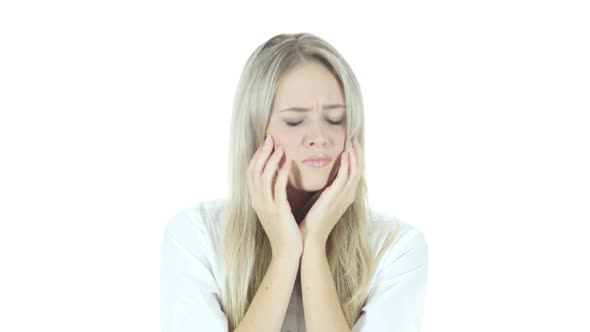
[{"x": 192, "y": 277}]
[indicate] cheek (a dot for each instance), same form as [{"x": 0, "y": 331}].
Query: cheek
[
  {"x": 278, "y": 136},
  {"x": 285, "y": 142},
  {"x": 283, "y": 139},
  {"x": 289, "y": 152}
]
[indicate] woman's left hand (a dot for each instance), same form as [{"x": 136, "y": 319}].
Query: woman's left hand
[{"x": 334, "y": 199}]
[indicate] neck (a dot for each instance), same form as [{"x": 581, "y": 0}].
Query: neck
[{"x": 298, "y": 200}]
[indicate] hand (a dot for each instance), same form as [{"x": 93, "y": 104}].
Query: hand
[
  {"x": 330, "y": 204},
  {"x": 270, "y": 200}
]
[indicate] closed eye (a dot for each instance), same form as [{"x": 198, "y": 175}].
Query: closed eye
[{"x": 293, "y": 124}]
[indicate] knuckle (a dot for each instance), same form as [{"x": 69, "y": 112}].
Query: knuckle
[
  {"x": 266, "y": 177},
  {"x": 277, "y": 155}
]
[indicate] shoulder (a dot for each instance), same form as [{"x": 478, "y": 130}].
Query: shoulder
[
  {"x": 203, "y": 216},
  {"x": 198, "y": 224},
  {"x": 407, "y": 238},
  {"x": 398, "y": 286}
]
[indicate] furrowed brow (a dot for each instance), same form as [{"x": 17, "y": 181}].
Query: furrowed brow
[{"x": 302, "y": 109}]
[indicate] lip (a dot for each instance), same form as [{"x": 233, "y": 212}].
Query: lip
[{"x": 318, "y": 161}]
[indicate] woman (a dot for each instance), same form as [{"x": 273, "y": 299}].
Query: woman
[{"x": 294, "y": 247}]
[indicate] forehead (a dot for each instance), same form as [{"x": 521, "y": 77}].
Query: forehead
[{"x": 306, "y": 85}]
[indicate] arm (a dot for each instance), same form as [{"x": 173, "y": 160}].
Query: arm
[
  {"x": 323, "y": 311},
  {"x": 268, "y": 307},
  {"x": 189, "y": 292},
  {"x": 394, "y": 304}
]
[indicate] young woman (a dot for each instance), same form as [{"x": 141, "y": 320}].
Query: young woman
[{"x": 294, "y": 247}]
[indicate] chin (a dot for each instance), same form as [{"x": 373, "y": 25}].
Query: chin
[
  {"x": 311, "y": 183},
  {"x": 308, "y": 184},
  {"x": 311, "y": 179},
  {"x": 312, "y": 188}
]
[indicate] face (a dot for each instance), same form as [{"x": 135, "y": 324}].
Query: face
[{"x": 308, "y": 119}]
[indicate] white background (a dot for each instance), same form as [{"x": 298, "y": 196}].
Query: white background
[{"x": 115, "y": 115}]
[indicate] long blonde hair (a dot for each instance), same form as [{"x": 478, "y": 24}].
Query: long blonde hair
[{"x": 246, "y": 249}]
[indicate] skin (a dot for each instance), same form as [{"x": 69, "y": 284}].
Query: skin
[
  {"x": 318, "y": 196},
  {"x": 310, "y": 85}
]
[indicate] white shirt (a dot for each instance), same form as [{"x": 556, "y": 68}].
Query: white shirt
[{"x": 192, "y": 277}]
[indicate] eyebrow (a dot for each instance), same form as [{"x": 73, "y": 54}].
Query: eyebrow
[{"x": 302, "y": 109}]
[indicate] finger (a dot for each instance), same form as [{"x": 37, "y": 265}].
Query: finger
[
  {"x": 261, "y": 156},
  {"x": 347, "y": 145},
  {"x": 343, "y": 171},
  {"x": 354, "y": 160},
  {"x": 353, "y": 165},
  {"x": 280, "y": 188},
  {"x": 269, "y": 172}
]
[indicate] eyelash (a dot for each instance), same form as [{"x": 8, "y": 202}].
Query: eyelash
[{"x": 293, "y": 124}]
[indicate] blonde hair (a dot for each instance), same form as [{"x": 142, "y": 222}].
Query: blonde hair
[{"x": 246, "y": 249}]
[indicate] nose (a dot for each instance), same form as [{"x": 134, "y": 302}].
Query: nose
[{"x": 316, "y": 135}]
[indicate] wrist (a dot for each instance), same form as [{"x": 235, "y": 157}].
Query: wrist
[
  {"x": 288, "y": 257},
  {"x": 314, "y": 246}
]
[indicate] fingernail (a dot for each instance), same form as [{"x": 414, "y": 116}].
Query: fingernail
[{"x": 267, "y": 140}]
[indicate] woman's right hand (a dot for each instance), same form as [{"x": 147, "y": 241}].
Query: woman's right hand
[{"x": 269, "y": 200}]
